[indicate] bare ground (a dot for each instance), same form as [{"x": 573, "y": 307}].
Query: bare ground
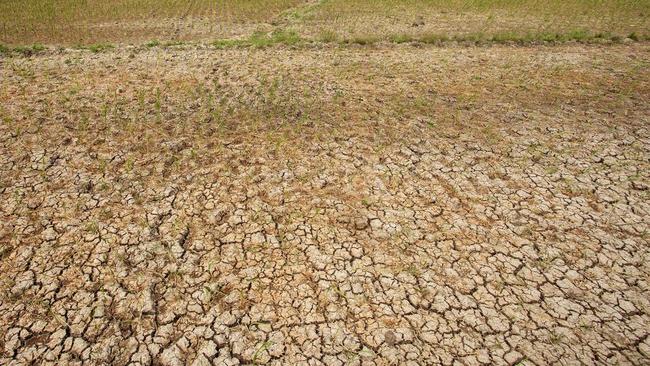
[{"x": 371, "y": 205}]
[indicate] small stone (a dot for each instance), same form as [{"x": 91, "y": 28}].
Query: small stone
[
  {"x": 512, "y": 357},
  {"x": 49, "y": 234},
  {"x": 639, "y": 185},
  {"x": 361, "y": 223},
  {"x": 390, "y": 338},
  {"x": 79, "y": 346}
]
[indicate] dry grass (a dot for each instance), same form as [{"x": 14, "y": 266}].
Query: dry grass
[{"x": 282, "y": 97}]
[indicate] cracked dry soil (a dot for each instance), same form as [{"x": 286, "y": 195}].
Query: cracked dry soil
[{"x": 371, "y": 205}]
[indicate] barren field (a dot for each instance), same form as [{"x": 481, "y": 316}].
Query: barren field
[
  {"x": 78, "y": 23},
  {"x": 284, "y": 201}
]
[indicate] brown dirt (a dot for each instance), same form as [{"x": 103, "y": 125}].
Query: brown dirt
[{"x": 364, "y": 205}]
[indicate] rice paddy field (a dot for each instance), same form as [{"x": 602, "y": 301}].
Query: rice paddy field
[{"x": 83, "y": 22}]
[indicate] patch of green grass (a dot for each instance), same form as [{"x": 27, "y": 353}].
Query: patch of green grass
[
  {"x": 433, "y": 38},
  {"x": 555, "y": 337},
  {"x": 92, "y": 227},
  {"x": 173, "y": 43},
  {"x": 4, "y": 49},
  {"x": 512, "y": 37},
  {"x": 414, "y": 271},
  {"x": 229, "y": 43},
  {"x": 288, "y": 37},
  {"x": 638, "y": 37},
  {"x": 153, "y": 43},
  {"x": 281, "y": 36},
  {"x": 261, "y": 39},
  {"x": 96, "y": 48},
  {"x": 25, "y": 51},
  {"x": 28, "y": 50},
  {"x": 400, "y": 38},
  {"x": 100, "y": 47},
  {"x": 506, "y": 37},
  {"x": 575, "y": 35}
]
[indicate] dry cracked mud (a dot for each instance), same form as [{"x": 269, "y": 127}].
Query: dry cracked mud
[{"x": 328, "y": 205}]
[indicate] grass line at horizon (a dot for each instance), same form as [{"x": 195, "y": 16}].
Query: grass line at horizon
[{"x": 292, "y": 38}]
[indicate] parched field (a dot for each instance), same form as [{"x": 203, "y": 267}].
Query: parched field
[
  {"x": 83, "y": 22},
  {"x": 290, "y": 200}
]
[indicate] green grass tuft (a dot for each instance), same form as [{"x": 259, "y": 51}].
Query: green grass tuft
[
  {"x": 281, "y": 36},
  {"x": 29, "y": 50},
  {"x": 173, "y": 43},
  {"x": 287, "y": 37},
  {"x": 95, "y": 48},
  {"x": 575, "y": 35},
  {"x": 261, "y": 39},
  {"x": 523, "y": 38},
  {"x": 433, "y": 38},
  {"x": 400, "y": 38},
  {"x": 229, "y": 43}
]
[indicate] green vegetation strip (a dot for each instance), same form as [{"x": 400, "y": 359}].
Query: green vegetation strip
[
  {"x": 292, "y": 38},
  {"x": 284, "y": 37},
  {"x": 96, "y": 48}
]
